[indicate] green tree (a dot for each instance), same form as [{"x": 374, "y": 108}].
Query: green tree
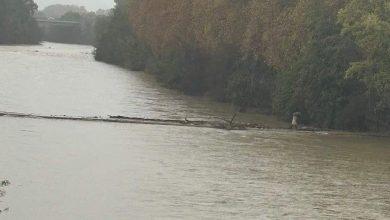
[
  {"x": 17, "y": 24},
  {"x": 315, "y": 85},
  {"x": 116, "y": 41},
  {"x": 58, "y": 10},
  {"x": 328, "y": 59},
  {"x": 251, "y": 85},
  {"x": 368, "y": 23},
  {"x": 71, "y": 16}
]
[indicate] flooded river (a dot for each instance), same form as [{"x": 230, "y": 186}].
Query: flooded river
[{"x": 90, "y": 170}]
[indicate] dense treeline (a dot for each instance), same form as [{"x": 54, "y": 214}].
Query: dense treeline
[
  {"x": 59, "y": 10},
  {"x": 116, "y": 41},
  {"x": 17, "y": 25},
  {"x": 329, "y": 59}
]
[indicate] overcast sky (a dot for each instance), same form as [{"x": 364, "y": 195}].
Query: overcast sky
[{"x": 90, "y": 5}]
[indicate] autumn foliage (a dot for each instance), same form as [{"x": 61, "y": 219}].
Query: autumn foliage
[{"x": 325, "y": 58}]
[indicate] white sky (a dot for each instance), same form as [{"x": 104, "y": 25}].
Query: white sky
[{"x": 90, "y": 5}]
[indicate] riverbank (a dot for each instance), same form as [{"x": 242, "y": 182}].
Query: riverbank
[{"x": 305, "y": 62}]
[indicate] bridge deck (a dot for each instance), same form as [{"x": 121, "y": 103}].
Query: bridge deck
[{"x": 43, "y": 22}]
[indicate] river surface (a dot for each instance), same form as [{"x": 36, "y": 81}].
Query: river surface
[{"x": 90, "y": 170}]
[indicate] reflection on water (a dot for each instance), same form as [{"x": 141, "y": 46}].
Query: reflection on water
[{"x": 87, "y": 170}]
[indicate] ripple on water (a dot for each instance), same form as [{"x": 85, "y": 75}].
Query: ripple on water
[{"x": 68, "y": 170}]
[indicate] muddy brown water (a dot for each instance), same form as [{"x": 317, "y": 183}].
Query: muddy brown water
[{"x": 91, "y": 170}]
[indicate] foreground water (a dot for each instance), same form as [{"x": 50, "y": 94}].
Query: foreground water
[{"x": 88, "y": 170}]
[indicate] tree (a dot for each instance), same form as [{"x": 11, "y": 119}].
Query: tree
[
  {"x": 251, "y": 85},
  {"x": 58, "y": 10},
  {"x": 71, "y": 16},
  {"x": 368, "y": 23},
  {"x": 315, "y": 84},
  {"x": 282, "y": 55},
  {"x": 17, "y": 24},
  {"x": 116, "y": 41}
]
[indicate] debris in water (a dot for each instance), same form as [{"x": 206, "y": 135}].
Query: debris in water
[
  {"x": 5, "y": 183},
  {"x": 2, "y": 192},
  {"x": 4, "y": 210}
]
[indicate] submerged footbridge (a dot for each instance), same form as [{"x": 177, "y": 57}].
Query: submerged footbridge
[{"x": 217, "y": 124}]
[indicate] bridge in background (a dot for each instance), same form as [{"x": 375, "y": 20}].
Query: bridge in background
[
  {"x": 46, "y": 23},
  {"x": 60, "y": 31}
]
